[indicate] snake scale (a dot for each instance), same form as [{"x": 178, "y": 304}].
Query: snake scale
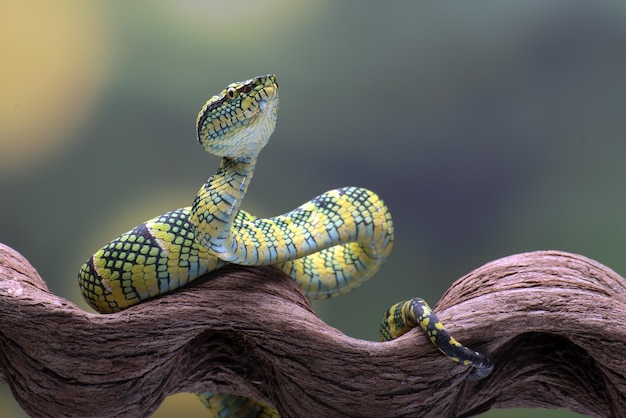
[{"x": 329, "y": 245}]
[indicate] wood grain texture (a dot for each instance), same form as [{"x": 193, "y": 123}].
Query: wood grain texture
[{"x": 553, "y": 323}]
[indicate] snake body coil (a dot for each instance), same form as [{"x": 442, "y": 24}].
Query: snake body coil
[{"x": 329, "y": 245}]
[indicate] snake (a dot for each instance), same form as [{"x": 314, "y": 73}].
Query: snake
[{"x": 329, "y": 245}]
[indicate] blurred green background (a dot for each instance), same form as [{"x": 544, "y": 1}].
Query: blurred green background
[{"x": 488, "y": 127}]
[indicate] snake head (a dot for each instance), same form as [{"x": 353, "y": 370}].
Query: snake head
[{"x": 238, "y": 122}]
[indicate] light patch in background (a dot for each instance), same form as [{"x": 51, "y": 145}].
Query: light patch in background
[
  {"x": 54, "y": 64},
  {"x": 234, "y": 21},
  {"x": 182, "y": 404}
]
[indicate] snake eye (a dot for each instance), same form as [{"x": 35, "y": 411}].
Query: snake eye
[{"x": 232, "y": 93}]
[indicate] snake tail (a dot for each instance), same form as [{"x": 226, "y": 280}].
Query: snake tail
[{"x": 409, "y": 314}]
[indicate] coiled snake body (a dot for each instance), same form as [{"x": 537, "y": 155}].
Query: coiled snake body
[{"x": 329, "y": 245}]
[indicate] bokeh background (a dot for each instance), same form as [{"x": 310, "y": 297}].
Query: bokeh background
[{"x": 488, "y": 127}]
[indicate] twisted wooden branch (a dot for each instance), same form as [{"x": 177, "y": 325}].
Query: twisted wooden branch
[{"x": 554, "y": 324}]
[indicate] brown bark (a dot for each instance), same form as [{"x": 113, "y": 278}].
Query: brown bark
[{"x": 554, "y": 324}]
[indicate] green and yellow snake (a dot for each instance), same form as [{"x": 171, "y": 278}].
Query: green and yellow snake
[{"x": 329, "y": 245}]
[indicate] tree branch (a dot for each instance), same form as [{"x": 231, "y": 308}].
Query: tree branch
[{"x": 554, "y": 324}]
